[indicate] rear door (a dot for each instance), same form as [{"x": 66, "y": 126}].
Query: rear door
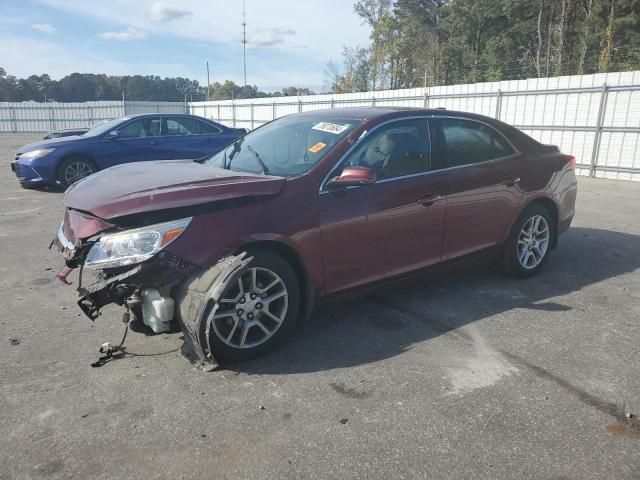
[
  {"x": 483, "y": 192},
  {"x": 181, "y": 139},
  {"x": 217, "y": 136},
  {"x": 189, "y": 137}
]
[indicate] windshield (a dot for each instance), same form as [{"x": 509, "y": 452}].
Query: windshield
[
  {"x": 287, "y": 146},
  {"x": 104, "y": 127}
]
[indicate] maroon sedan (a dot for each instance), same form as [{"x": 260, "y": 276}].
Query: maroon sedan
[{"x": 239, "y": 246}]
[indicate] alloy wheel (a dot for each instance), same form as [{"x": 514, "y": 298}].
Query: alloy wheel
[
  {"x": 533, "y": 242},
  {"x": 251, "y": 310},
  {"x": 75, "y": 171}
]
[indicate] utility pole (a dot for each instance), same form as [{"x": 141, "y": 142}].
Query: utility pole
[
  {"x": 244, "y": 41},
  {"x": 208, "y": 82}
]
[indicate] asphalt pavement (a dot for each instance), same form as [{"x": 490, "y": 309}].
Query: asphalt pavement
[{"x": 465, "y": 374}]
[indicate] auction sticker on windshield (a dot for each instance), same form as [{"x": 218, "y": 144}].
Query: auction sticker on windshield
[
  {"x": 330, "y": 127},
  {"x": 317, "y": 147}
]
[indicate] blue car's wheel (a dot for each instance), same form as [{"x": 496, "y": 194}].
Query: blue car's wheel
[{"x": 73, "y": 169}]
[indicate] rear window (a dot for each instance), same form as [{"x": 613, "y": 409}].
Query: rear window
[
  {"x": 181, "y": 126},
  {"x": 208, "y": 128},
  {"x": 468, "y": 142}
]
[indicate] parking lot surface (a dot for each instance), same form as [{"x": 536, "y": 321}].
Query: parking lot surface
[{"x": 464, "y": 374}]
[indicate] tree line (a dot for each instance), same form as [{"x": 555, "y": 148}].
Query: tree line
[
  {"x": 82, "y": 87},
  {"x": 443, "y": 42},
  {"x": 412, "y": 43}
]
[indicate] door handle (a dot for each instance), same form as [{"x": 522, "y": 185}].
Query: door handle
[
  {"x": 510, "y": 181},
  {"x": 428, "y": 199}
]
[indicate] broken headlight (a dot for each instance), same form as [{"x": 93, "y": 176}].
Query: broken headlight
[{"x": 133, "y": 246}]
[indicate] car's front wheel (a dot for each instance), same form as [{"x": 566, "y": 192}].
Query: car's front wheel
[
  {"x": 255, "y": 310},
  {"x": 73, "y": 169},
  {"x": 529, "y": 243}
]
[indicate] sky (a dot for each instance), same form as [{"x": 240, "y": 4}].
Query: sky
[{"x": 290, "y": 42}]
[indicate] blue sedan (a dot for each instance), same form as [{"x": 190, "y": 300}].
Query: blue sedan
[{"x": 131, "y": 139}]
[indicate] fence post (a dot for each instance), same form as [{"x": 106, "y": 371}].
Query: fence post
[
  {"x": 425, "y": 99},
  {"x": 498, "y": 104},
  {"x": 273, "y": 111},
  {"x": 233, "y": 113},
  {"x": 205, "y": 110},
  {"x": 598, "y": 134},
  {"x": 90, "y": 115},
  {"x": 373, "y": 101},
  {"x": 52, "y": 123},
  {"x": 218, "y": 112},
  {"x": 333, "y": 105},
  {"x": 299, "y": 105},
  {"x": 251, "y": 105},
  {"x": 14, "y": 120}
]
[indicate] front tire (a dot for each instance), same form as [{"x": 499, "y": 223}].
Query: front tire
[
  {"x": 529, "y": 244},
  {"x": 73, "y": 169},
  {"x": 254, "y": 312}
]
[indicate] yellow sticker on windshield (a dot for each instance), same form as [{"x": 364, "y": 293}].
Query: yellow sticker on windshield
[{"x": 317, "y": 147}]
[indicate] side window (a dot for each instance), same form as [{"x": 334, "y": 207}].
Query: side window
[
  {"x": 208, "y": 128},
  {"x": 395, "y": 150},
  {"x": 181, "y": 126},
  {"x": 142, "y": 128},
  {"x": 467, "y": 142}
]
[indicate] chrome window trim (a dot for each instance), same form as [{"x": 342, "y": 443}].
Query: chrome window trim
[
  {"x": 366, "y": 133},
  {"x": 162, "y": 117}
]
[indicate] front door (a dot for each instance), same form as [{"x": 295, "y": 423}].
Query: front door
[
  {"x": 483, "y": 195},
  {"x": 137, "y": 141},
  {"x": 389, "y": 227}
]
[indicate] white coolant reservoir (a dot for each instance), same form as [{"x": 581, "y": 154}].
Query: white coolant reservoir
[{"x": 157, "y": 311}]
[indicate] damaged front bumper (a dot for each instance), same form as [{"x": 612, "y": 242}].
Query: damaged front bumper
[
  {"x": 123, "y": 285},
  {"x": 157, "y": 291}
]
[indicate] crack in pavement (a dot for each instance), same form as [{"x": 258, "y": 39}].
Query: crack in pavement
[{"x": 623, "y": 425}]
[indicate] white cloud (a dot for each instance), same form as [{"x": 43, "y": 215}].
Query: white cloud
[
  {"x": 125, "y": 35},
  {"x": 162, "y": 12},
  {"x": 44, "y": 27},
  {"x": 268, "y": 37},
  {"x": 323, "y": 30},
  {"x": 47, "y": 57}
]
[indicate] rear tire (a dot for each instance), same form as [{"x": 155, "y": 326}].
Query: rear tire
[
  {"x": 73, "y": 169},
  {"x": 529, "y": 244}
]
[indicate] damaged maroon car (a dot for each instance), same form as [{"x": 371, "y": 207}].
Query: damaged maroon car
[{"x": 238, "y": 247}]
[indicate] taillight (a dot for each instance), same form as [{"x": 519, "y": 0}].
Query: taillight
[{"x": 571, "y": 161}]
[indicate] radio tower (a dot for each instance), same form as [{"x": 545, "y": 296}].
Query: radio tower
[{"x": 244, "y": 41}]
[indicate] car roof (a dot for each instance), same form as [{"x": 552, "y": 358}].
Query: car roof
[
  {"x": 370, "y": 113},
  {"x": 376, "y": 115},
  {"x": 144, "y": 115}
]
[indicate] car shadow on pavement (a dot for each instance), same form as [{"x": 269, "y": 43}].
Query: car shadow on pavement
[{"x": 390, "y": 320}]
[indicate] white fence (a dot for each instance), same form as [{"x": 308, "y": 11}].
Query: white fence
[
  {"x": 594, "y": 117},
  {"x": 42, "y": 117}
]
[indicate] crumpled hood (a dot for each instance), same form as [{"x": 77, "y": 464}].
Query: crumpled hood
[
  {"x": 51, "y": 143},
  {"x": 151, "y": 186}
]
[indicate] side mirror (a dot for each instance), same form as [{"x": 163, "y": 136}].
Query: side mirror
[
  {"x": 352, "y": 176},
  {"x": 112, "y": 135}
]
